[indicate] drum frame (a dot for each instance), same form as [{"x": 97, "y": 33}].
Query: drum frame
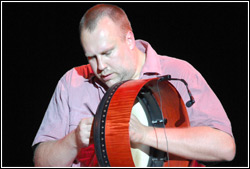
[{"x": 145, "y": 91}]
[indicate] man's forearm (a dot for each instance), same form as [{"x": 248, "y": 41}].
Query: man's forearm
[
  {"x": 56, "y": 153},
  {"x": 197, "y": 143}
]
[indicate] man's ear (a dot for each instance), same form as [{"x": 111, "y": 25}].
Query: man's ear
[{"x": 130, "y": 39}]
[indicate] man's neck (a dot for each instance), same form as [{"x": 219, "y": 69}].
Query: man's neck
[{"x": 140, "y": 63}]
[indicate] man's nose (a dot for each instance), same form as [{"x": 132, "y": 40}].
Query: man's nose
[{"x": 100, "y": 63}]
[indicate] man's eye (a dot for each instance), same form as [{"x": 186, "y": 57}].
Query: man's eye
[{"x": 107, "y": 53}]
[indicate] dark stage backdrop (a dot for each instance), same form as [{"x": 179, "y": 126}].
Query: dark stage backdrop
[{"x": 41, "y": 42}]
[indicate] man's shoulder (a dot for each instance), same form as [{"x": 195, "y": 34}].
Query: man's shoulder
[{"x": 176, "y": 64}]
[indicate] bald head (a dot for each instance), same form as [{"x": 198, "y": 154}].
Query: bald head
[{"x": 91, "y": 18}]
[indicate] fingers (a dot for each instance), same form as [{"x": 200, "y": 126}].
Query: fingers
[
  {"x": 87, "y": 121},
  {"x": 136, "y": 130},
  {"x": 83, "y": 132},
  {"x": 86, "y": 124},
  {"x": 133, "y": 121}
]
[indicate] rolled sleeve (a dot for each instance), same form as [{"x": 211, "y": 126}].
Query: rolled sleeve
[
  {"x": 207, "y": 109},
  {"x": 56, "y": 119}
]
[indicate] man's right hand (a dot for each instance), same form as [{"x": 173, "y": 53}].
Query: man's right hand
[{"x": 83, "y": 132}]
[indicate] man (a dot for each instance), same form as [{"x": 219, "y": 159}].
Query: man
[{"x": 114, "y": 55}]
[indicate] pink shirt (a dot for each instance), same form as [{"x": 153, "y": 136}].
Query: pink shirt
[{"x": 79, "y": 87}]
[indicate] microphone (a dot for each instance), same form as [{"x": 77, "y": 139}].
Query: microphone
[{"x": 191, "y": 101}]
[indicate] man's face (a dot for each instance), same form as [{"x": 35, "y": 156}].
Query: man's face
[{"x": 108, "y": 54}]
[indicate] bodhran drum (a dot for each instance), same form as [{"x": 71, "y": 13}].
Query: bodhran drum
[{"x": 155, "y": 103}]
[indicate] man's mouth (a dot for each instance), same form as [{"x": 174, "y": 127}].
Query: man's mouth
[{"x": 106, "y": 77}]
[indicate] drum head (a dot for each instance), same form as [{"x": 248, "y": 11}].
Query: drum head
[{"x": 140, "y": 152}]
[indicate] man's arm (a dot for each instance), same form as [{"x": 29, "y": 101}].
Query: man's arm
[
  {"x": 56, "y": 153},
  {"x": 64, "y": 151},
  {"x": 196, "y": 143}
]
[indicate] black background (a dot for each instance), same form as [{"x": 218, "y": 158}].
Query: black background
[{"x": 40, "y": 42}]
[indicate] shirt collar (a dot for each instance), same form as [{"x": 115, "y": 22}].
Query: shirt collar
[
  {"x": 152, "y": 64},
  {"x": 88, "y": 76}
]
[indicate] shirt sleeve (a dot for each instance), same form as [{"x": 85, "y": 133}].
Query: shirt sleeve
[
  {"x": 55, "y": 123},
  {"x": 207, "y": 109}
]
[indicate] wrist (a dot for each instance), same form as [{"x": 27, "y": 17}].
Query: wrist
[
  {"x": 74, "y": 141},
  {"x": 150, "y": 137}
]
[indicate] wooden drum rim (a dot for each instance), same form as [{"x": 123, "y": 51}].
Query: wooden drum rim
[{"x": 114, "y": 149}]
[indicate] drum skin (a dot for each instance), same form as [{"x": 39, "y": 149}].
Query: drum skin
[{"x": 111, "y": 130}]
